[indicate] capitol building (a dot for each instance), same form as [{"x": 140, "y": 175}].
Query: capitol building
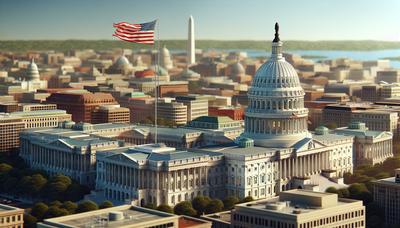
[{"x": 275, "y": 153}]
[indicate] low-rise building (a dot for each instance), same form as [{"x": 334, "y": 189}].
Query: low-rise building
[
  {"x": 300, "y": 209},
  {"x": 158, "y": 174},
  {"x": 370, "y": 147},
  {"x": 196, "y": 106},
  {"x": 386, "y": 192},
  {"x": 126, "y": 216},
  {"x": 11, "y": 216},
  {"x": 110, "y": 114},
  {"x": 70, "y": 150},
  {"x": 172, "y": 111}
]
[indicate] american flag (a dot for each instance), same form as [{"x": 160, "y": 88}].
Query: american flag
[{"x": 136, "y": 33}]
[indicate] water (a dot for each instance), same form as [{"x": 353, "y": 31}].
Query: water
[
  {"x": 356, "y": 55},
  {"x": 327, "y": 54}
]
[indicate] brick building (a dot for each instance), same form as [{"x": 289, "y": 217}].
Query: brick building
[{"x": 81, "y": 105}]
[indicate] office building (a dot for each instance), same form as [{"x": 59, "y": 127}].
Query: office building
[
  {"x": 126, "y": 216},
  {"x": 11, "y": 216},
  {"x": 370, "y": 147},
  {"x": 386, "y": 192},
  {"x": 196, "y": 106},
  {"x": 80, "y": 104},
  {"x": 300, "y": 209}
]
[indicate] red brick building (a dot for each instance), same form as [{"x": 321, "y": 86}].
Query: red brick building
[
  {"x": 81, "y": 105},
  {"x": 235, "y": 113}
]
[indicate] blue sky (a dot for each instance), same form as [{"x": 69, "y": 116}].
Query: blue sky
[{"x": 214, "y": 19}]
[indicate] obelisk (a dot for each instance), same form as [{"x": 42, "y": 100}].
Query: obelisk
[{"x": 191, "y": 55}]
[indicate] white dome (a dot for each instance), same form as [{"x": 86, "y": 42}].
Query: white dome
[
  {"x": 33, "y": 71},
  {"x": 278, "y": 78},
  {"x": 237, "y": 69},
  {"x": 275, "y": 116},
  {"x": 121, "y": 62}
]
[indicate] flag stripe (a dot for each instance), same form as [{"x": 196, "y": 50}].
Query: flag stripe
[
  {"x": 134, "y": 33},
  {"x": 137, "y": 33},
  {"x": 128, "y": 28},
  {"x": 141, "y": 41}
]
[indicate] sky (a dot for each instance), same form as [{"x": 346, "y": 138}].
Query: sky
[{"x": 214, "y": 19}]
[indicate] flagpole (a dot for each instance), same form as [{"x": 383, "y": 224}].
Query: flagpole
[{"x": 157, "y": 60}]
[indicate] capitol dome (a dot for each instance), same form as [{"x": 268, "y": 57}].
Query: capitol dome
[
  {"x": 275, "y": 116},
  {"x": 33, "y": 71}
]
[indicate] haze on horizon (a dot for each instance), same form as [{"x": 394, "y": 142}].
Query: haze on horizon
[{"x": 221, "y": 20}]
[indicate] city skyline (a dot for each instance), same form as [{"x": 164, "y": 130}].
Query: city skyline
[{"x": 312, "y": 20}]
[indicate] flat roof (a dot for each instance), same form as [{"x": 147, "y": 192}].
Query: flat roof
[
  {"x": 131, "y": 215},
  {"x": 297, "y": 202},
  {"x": 4, "y": 208}
]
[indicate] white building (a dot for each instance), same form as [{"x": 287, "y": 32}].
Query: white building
[{"x": 275, "y": 153}]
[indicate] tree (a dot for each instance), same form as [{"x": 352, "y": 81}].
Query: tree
[
  {"x": 55, "y": 190},
  {"x": 87, "y": 205},
  {"x": 106, "y": 204},
  {"x": 30, "y": 221},
  {"x": 214, "y": 206},
  {"x": 5, "y": 168},
  {"x": 39, "y": 210},
  {"x": 38, "y": 182},
  {"x": 185, "y": 208},
  {"x": 55, "y": 203},
  {"x": 55, "y": 211},
  {"x": 165, "y": 208},
  {"x": 200, "y": 203},
  {"x": 331, "y": 125},
  {"x": 332, "y": 190},
  {"x": 62, "y": 178},
  {"x": 247, "y": 199},
  {"x": 229, "y": 202},
  {"x": 70, "y": 206},
  {"x": 75, "y": 192},
  {"x": 343, "y": 193}
]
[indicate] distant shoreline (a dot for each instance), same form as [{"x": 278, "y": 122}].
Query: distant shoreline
[{"x": 65, "y": 45}]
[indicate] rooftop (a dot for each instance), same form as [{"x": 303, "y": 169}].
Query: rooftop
[
  {"x": 126, "y": 216},
  {"x": 4, "y": 208},
  {"x": 298, "y": 202}
]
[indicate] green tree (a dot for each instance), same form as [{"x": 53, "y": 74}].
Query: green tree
[
  {"x": 55, "y": 211},
  {"x": 332, "y": 190},
  {"x": 55, "y": 203},
  {"x": 70, "y": 206},
  {"x": 200, "y": 203},
  {"x": 229, "y": 202},
  {"x": 62, "y": 178},
  {"x": 55, "y": 190},
  {"x": 87, "y": 205},
  {"x": 343, "y": 193},
  {"x": 185, "y": 208},
  {"x": 38, "y": 182},
  {"x": 331, "y": 125},
  {"x": 247, "y": 199},
  {"x": 106, "y": 204},
  {"x": 165, "y": 208},
  {"x": 214, "y": 206},
  {"x": 39, "y": 210},
  {"x": 5, "y": 168},
  {"x": 30, "y": 221},
  {"x": 75, "y": 192}
]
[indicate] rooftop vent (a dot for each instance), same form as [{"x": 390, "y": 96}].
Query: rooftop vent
[{"x": 115, "y": 216}]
